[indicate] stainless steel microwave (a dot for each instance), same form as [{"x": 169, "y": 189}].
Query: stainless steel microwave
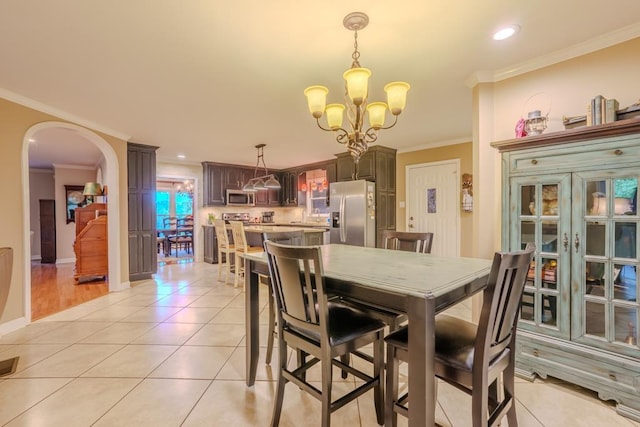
[{"x": 240, "y": 198}]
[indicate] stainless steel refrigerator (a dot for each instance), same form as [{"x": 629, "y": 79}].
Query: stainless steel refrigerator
[{"x": 353, "y": 213}]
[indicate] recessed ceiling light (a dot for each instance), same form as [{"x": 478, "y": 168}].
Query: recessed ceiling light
[
  {"x": 506, "y": 32},
  {"x": 181, "y": 156}
]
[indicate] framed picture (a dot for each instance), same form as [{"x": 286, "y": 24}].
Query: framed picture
[{"x": 74, "y": 199}]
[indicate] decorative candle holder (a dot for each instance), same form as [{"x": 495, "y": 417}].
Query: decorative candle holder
[{"x": 535, "y": 123}]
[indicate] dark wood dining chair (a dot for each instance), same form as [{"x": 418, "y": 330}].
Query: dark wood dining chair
[
  {"x": 308, "y": 322},
  {"x": 473, "y": 357},
  {"x": 294, "y": 238},
  {"x": 8, "y": 366},
  {"x": 407, "y": 241}
]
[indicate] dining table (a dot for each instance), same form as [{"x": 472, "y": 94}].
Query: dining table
[
  {"x": 420, "y": 285},
  {"x": 165, "y": 233}
]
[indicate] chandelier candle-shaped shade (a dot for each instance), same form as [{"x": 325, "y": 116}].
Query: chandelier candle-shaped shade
[
  {"x": 356, "y": 79},
  {"x": 265, "y": 182}
]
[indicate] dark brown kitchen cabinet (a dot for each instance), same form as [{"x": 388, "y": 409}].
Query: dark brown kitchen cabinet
[
  {"x": 237, "y": 177},
  {"x": 214, "y": 181},
  {"x": 141, "y": 184},
  {"x": 290, "y": 188},
  {"x": 210, "y": 245},
  {"x": 219, "y": 177},
  {"x": 267, "y": 198},
  {"x": 378, "y": 165}
]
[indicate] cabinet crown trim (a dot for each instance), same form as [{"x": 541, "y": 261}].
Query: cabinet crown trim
[{"x": 619, "y": 128}]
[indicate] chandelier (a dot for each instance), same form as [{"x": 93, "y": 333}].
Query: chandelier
[
  {"x": 356, "y": 78},
  {"x": 264, "y": 182},
  {"x": 186, "y": 187}
]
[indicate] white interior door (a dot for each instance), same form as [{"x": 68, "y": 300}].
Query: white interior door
[{"x": 433, "y": 204}]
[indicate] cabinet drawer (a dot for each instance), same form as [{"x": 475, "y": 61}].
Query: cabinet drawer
[
  {"x": 588, "y": 367},
  {"x": 573, "y": 157}
]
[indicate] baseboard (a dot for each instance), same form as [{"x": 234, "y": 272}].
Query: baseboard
[
  {"x": 36, "y": 257},
  {"x": 120, "y": 287},
  {"x": 12, "y": 325},
  {"x": 65, "y": 260}
]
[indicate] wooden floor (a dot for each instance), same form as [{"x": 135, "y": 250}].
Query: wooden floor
[{"x": 53, "y": 289}]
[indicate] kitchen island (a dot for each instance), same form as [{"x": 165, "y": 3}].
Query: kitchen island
[{"x": 314, "y": 234}]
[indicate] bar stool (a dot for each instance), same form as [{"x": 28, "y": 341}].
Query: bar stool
[
  {"x": 226, "y": 250},
  {"x": 241, "y": 246}
]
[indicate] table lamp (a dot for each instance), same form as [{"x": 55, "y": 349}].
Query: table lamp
[{"x": 92, "y": 189}]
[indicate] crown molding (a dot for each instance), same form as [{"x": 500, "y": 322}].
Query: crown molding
[
  {"x": 80, "y": 167},
  {"x": 600, "y": 42},
  {"x": 61, "y": 114},
  {"x": 41, "y": 170},
  {"x": 435, "y": 144}
]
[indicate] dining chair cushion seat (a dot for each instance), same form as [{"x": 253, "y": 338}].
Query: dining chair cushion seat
[
  {"x": 346, "y": 324},
  {"x": 455, "y": 340}
]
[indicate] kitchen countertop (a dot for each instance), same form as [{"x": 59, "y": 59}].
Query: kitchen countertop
[
  {"x": 311, "y": 224},
  {"x": 281, "y": 225},
  {"x": 260, "y": 228}
]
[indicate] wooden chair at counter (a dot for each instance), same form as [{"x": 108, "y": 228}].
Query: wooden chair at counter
[
  {"x": 477, "y": 359},
  {"x": 309, "y": 323},
  {"x": 407, "y": 241},
  {"x": 224, "y": 248},
  {"x": 241, "y": 246},
  {"x": 293, "y": 238}
]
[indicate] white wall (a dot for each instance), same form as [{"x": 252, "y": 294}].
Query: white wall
[{"x": 613, "y": 72}]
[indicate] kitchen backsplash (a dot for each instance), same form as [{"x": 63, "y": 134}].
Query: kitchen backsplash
[{"x": 282, "y": 215}]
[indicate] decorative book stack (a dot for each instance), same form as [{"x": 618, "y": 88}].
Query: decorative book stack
[{"x": 601, "y": 110}]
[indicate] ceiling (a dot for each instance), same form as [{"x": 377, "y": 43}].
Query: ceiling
[{"x": 211, "y": 79}]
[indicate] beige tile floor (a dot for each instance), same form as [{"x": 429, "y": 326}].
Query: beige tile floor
[{"x": 170, "y": 352}]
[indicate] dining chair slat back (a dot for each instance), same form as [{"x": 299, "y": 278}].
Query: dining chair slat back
[
  {"x": 311, "y": 325},
  {"x": 407, "y": 241},
  {"x": 478, "y": 359}
]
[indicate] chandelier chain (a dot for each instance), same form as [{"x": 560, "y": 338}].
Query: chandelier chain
[{"x": 356, "y": 55}]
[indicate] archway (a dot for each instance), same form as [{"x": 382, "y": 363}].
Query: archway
[{"x": 113, "y": 207}]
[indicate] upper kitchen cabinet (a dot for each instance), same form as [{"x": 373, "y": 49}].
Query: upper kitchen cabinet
[
  {"x": 237, "y": 177},
  {"x": 289, "y": 190},
  {"x": 220, "y": 177},
  {"x": 377, "y": 164},
  {"x": 270, "y": 197},
  {"x": 214, "y": 182}
]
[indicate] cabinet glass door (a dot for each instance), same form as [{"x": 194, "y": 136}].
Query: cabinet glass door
[
  {"x": 540, "y": 214},
  {"x": 605, "y": 301}
]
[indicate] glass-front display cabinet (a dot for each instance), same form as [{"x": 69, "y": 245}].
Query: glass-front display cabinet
[{"x": 574, "y": 194}]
